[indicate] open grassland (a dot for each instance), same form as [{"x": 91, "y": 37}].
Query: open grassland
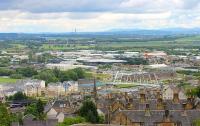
[
  {"x": 149, "y": 44},
  {"x": 189, "y": 38},
  {"x": 99, "y": 76},
  {"x": 65, "y": 47},
  {"x": 128, "y": 43},
  {"x": 18, "y": 46},
  {"x": 7, "y": 80},
  {"x": 125, "y": 85}
]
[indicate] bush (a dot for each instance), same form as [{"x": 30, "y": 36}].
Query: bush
[
  {"x": 70, "y": 121},
  {"x": 89, "y": 111},
  {"x": 16, "y": 76},
  {"x": 5, "y": 119},
  {"x": 27, "y": 71},
  {"x": 18, "y": 96},
  {"x": 5, "y": 72},
  {"x": 48, "y": 76},
  {"x": 196, "y": 123}
]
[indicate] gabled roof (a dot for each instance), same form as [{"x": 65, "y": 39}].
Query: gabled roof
[{"x": 158, "y": 116}]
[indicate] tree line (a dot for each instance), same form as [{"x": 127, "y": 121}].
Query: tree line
[{"x": 48, "y": 75}]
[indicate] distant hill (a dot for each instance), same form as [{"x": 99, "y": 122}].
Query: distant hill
[
  {"x": 113, "y": 33},
  {"x": 167, "y": 31}
]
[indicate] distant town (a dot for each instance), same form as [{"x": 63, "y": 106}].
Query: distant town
[{"x": 99, "y": 79}]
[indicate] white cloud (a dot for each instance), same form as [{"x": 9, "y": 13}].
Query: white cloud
[{"x": 86, "y": 15}]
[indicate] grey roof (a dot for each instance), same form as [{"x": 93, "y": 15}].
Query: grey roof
[
  {"x": 57, "y": 103},
  {"x": 137, "y": 105},
  {"x": 158, "y": 116}
]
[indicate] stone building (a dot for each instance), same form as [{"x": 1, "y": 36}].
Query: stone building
[{"x": 145, "y": 110}]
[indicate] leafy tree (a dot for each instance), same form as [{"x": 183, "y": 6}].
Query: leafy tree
[
  {"x": 27, "y": 71},
  {"x": 40, "y": 108},
  {"x": 194, "y": 92},
  {"x": 70, "y": 121},
  {"x": 4, "y": 62},
  {"x": 18, "y": 96},
  {"x": 57, "y": 72},
  {"x": 198, "y": 92},
  {"x": 17, "y": 117},
  {"x": 56, "y": 75},
  {"x": 5, "y": 72},
  {"x": 89, "y": 111},
  {"x": 31, "y": 109},
  {"x": 47, "y": 75},
  {"x": 5, "y": 119},
  {"x": 36, "y": 109},
  {"x": 72, "y": 75},
  {"x": 80, "y": 72},
  {"x": 16, "y": 76},
  {"x": 64, "y": 77}
]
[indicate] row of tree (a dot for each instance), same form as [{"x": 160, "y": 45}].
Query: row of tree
[
  {"x": 47, "y": 75},
  {"x": 19, "y": 72},
  {"x": 56, "y": 75}
]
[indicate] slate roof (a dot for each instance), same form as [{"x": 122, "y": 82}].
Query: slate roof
[
  {"x": 137, "y": 105},
  {"x": 28, "y": 120},
  {"x": 158, "y": 116}
]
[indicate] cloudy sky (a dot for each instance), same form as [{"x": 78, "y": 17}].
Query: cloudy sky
[{"x": 96, "y": 15}]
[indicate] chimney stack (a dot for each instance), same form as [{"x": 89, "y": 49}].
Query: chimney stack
[
  {"x": 176, "y": 98},
  {"x": 129, "y": 106},
  {"x": 160, "y": 104},
  {"x": 184, "y": 113},
  {"x": 142, "y": 96},
  {"x": 166, "y": 116},
  {"x": 158, "y": 95},
  {"x": 147, "y": 110},
  {"x": 189, "y": 104},
  {"x": 109, "y": 96},
  {"x": 126, "y": 96}
]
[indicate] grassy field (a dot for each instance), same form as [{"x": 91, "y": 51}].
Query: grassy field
[
  {"x": 7, "y": 80},
  {"x": 125, "y": 85},
  {"x": 18, "y": 46},
  {"x": 99, "y": 76},
  {"x": 148, "y": 44},
  {"x": 64, "y": 47}
]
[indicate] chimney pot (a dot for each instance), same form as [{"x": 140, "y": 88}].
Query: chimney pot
[
  {"x": 184, "y": 113},
  {"x": 147, "y": 110},
  {"x": 176, "y": 98},
  {"x": 166, "y": 116}
]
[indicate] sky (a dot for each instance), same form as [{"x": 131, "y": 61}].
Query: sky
[{"x": 96, "y": 15}]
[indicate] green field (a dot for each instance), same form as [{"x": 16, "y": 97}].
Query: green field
[
  {"x": 65, "y": 47},
  {"x": 149, "y": 44},
  {"x": 18, "y": 46},
  {"x": 125, "y": 85},
  {"x": 7, "y": 80}
]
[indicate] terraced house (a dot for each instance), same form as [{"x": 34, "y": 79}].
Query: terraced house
[{"x": 149, "y": 110}]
